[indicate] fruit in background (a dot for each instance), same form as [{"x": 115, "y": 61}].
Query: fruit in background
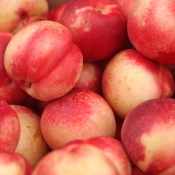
[
  {"x": 172, "y": 70},
  {"x": 137, "y": 171},
  {"x": 55, "y": 3},
  {"x": 148, "y": 136},
  {"x": 16, "y": 14},
  {"x": 8, "y": 89},
  {"x": 80, "y": 114},
  {"x": 76, "y": 160},
  {"x": 119, "y": 123},
  {"x": 125, "y": 6},
  {"x": 31, "y": 142},
  {"x": 98, "y": 27},
  {"x": 14, "y": 163},
  {"x": 45, "y": 70},
  {"x": 9, "y": 127},
  {"x": 40, "y": 105},
  {"x": 151, "y": 29},
  {"x": 130, "y": 78},
  {"x": 91, "y": 77},
  {"x": 113, "y": 149},
  {"x": 55, "y": 14},
  {"x": 29, "y": 102}
]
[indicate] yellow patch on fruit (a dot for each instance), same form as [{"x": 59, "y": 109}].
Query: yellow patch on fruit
[
  {"x": 141, "y": 8},
  {"x": 84, "y": 9},
  {"x": 162, "y": 23},
  {"x": 8, "y": 169},
  {"x": 169, "y": 171},
  {"x": 158, "y": 142}
]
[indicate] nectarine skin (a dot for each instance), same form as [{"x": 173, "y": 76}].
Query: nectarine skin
[
  {"x": 125, "y": 6},
  {"x": 43, "y": 60},
  {"x": 31, "y": 143},
  {"x": 130, "y": 78},
  {"x": 15, "y": 14},
  {"x": 14, "y": 163},
  {"x": 8, "y": 89},
  {"x": 80, "y": 114},
  {"x": 148, "y": 136},
  {"x": 112, "y": 148},
  {"x": 76, "y": 160},
  {"x": 151, "y": 29},
  {"x": 98, "y": 27},
  {"x": 55, "y": 13},
  {"x": 91, "y": 77},
  {"x": 9, "y": 127}
]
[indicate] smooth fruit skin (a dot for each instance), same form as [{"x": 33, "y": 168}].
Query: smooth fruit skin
[
  {"x": 31, "y": 142},
  {"x": 8, "y": 89},
  {"x": 76, "y": 160},
  {"x": 32, "y": 63},
  {"x": 80, "y": 114},
  {"x": 130, "y": 78},
  {"x": 9, "y": 127},
  {"x": 148, "y": 136},
  {"x": 55, "y": 13},
  {"x": 98, "y": 27},
  {"x": 125, "y": 6},
  {"x": 15, "y": 14},
  {"x": 112, "y": 148},
  {"x": 14, "y": 163},
  {"x": 91, "y": 77},
  {"x": 151, "y": 29},
  {"x": 115, "y": 151}
]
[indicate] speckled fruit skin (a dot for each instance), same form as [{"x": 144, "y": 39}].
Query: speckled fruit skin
[
  {"x": 14, "y": 163},
  {"x": 98, "y": 27},
  {"x": 37, "y": 54},
  {"x": 31, "y": 143},
  {"x": 9, "y": 127},
  {"x": 8, "y": 89},
  {"x": 15, "y": 14},
  {"x": 76, "y": 160},
  {"x": 151, "y": 29},
  {"x": 80, "y": 114},
  {"x": 130, "y": 78},
  {"x": 112, "y": 148},
  {"x": 148, "y": 136}
]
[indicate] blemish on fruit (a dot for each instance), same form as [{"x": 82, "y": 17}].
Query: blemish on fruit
[
  {"x": 23, "y": 16},
  {"x": 99, "y": 11},
  {"x": 86, "y": 21},
  {"x": 28, "y": 84},
  {"x": 119, "y": 81},
  {"x": 37, "y": 134},
  {"x": 87, "y": 29}
]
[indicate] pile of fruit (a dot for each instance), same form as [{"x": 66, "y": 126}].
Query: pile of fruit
[{"x": 87, "y": 87}]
